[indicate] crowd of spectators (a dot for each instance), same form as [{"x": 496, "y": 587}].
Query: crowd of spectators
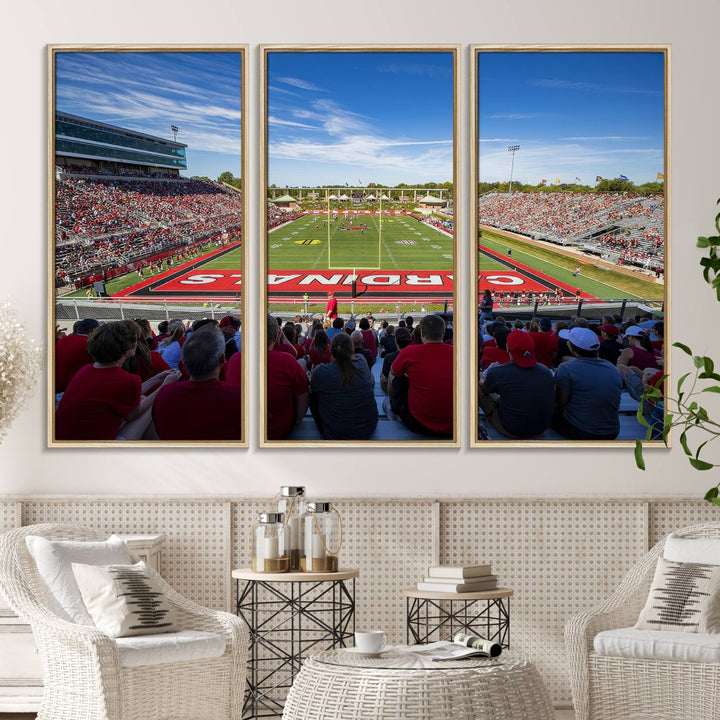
[
  {"x": 327, "y": 364},
  {"x": 278, "y": 215},
  {"x": 120, "y": 381},
  {"x": 106, "y": 222},
  {"x": 569, "y": 377},
  {"x": 438, "y": 222},
  {"x": 577, "y": 217}
]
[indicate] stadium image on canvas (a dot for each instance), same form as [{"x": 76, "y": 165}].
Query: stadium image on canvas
[
  {"x": 570, "y": 241},
  {"x": 360, "y": 246},
  {"x": 147, "y": 214}
]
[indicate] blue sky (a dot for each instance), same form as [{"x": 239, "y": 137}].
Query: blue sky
[
  {"x": 342, "y": 117},
  {"x": 573, "y": 114},
  {"x": 149, "y": 91}
]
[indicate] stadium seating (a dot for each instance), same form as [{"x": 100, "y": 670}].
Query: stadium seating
[
  {"x": 623, "y": 228},
  {"x": 103, "y": 222},
  {"x": 386, "y": 429}
]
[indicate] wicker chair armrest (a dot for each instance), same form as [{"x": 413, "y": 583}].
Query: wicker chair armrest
[{"x": 619, "y": 610}]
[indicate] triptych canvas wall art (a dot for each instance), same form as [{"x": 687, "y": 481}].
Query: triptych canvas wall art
[{"x": 358, "y": 323}]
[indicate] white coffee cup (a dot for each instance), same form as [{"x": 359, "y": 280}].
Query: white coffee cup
[{"x": 373, "y": 641}]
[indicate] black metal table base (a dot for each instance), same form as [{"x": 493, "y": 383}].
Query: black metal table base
[
  {"x": 287, "y": 620},
  {"x": 431, "y": 620}
]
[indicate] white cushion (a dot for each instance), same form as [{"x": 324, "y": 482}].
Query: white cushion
[
  {"x": 124, "y": 600},
  {"x": 169, "y": 648},
  {"x": 692, "y": 550},
  {"x": 54, "y": 559},
  {"x": 658, "y": 645}
]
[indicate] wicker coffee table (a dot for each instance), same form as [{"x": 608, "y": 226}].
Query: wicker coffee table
[{"x": 340, "y": 685}]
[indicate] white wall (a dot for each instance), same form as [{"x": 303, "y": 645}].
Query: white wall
[{"x": 27, "y": 467}]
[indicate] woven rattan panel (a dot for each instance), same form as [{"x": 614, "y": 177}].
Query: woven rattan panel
[
  {"x": 8, "y": 517},
  {"x": 669, "y": 515},
  {"x": 194, "y": 552},
  {"x": 559, "y": 557},
  {"x": 391, "y": 544}
]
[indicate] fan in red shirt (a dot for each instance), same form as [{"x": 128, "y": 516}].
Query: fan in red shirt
[
  {"x": 103, "y": 401},
  {"x": 421, "y": 381},
  {"x": 288, "y": 396},
  {"x": 71, "y": 352},
  {"x": 332, "y": 306},
  {"x": 546, "y": 343},
  {"x": 204, "y": 407},
  {"x": 497, "y": 353}
]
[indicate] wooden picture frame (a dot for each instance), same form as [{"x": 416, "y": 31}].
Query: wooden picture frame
[
  {"x": 119, "y": 208},
  {"x": 354, "y": 123},
  {"x": 507, "y": 74}
]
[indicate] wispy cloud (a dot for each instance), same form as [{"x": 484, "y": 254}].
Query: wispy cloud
[
  {"x": 289, "y": 123},
  {"x": 416, "y": 69},
  {"x": 299, "y": 83},
  {"x": 541, "y": 159},
  {"x": 148, "y": 92},
  {"x": 516, "y": 116},
  {"x": 561, "y": 84},
  {"x": 594, "y": 138}
]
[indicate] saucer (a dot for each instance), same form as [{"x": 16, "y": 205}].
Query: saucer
[{"x": 360, "y": 653}]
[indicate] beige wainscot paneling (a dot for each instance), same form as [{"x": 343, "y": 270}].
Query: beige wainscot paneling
[
  {"x": 559, "y": 557},
  {"x": 668, "y": 515},
  {"x": 193, "y": 557}
]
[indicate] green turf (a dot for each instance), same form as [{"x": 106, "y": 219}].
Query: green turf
[
  {"x": 606, "y": 284},
  {"x": 229, "y": 261},
  {"x": 300, "y": 246}
]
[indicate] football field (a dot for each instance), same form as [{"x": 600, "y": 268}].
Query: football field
[{"x": 362, "y": 242}]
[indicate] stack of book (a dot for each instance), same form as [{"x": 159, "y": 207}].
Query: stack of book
[{"x": 458, "y": 579}]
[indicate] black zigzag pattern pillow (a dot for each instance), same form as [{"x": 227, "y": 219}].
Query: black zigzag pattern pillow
[{"x": 684, "y": 597}]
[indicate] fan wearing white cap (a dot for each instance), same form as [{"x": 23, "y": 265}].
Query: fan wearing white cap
[
  {"x": 588, "y": 391},
  {"x": 639, "y": 353}
]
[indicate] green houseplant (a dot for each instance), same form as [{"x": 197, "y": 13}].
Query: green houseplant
[{"x": 684, "y": 411}]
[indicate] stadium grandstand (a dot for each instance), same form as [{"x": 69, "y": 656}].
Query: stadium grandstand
[
  {"x": 121, "y": 203},
  {"x": 621, "y": 228}
]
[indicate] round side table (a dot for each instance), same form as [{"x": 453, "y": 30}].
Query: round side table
[
  {"x": 290, "y": 615},
  {"x": 339, "y": 685},
  {"x": 484, "y": 613}
]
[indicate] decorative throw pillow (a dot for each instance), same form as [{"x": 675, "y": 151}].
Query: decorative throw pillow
[
  {"x": 124, "y": 600},
  {"x": 53, "y": 559},
  {"x": 684, "y": 597},
  {"x": 692, "y": 550}
]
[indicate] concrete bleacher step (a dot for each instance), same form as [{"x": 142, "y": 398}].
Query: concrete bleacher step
[
  {"x": 386, "y": 430},
  {"x": 630, "y": 429}
]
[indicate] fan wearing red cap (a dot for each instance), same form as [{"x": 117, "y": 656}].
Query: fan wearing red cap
[
  {"x": 610, "y": 348},
  {"x": 588, "y": 391},
  {"x": 518, "y": 397},
  {"x": 332, "y": 306}
]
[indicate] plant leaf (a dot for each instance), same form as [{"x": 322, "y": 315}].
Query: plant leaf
[
  {"x": 684, "y": 443},
  {"x": 699, "y": 464},
  {"x": 683, "y": 347},
  {"x": 712, "y": 493},
  {"x": 712, "y": 389},
  {"x": 639, "y": 461}
]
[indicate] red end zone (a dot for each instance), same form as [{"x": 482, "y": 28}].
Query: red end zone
[{"x": 425, "y": 282}]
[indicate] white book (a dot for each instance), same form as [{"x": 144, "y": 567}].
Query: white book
[
  {"x": 456, "y": 581},
  {"x": 458, "y": 571},
  {"x": 457, "y": 588}
]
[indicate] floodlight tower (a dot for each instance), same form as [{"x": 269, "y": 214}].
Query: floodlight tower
[
  {"x": 175, "y": 129},
  {"x": 513, "y": 149}
]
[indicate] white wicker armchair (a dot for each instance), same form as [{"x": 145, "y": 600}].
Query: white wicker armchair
[
  {"x": 614, "y": 688},
  {"x": 82, "y": 674}
]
